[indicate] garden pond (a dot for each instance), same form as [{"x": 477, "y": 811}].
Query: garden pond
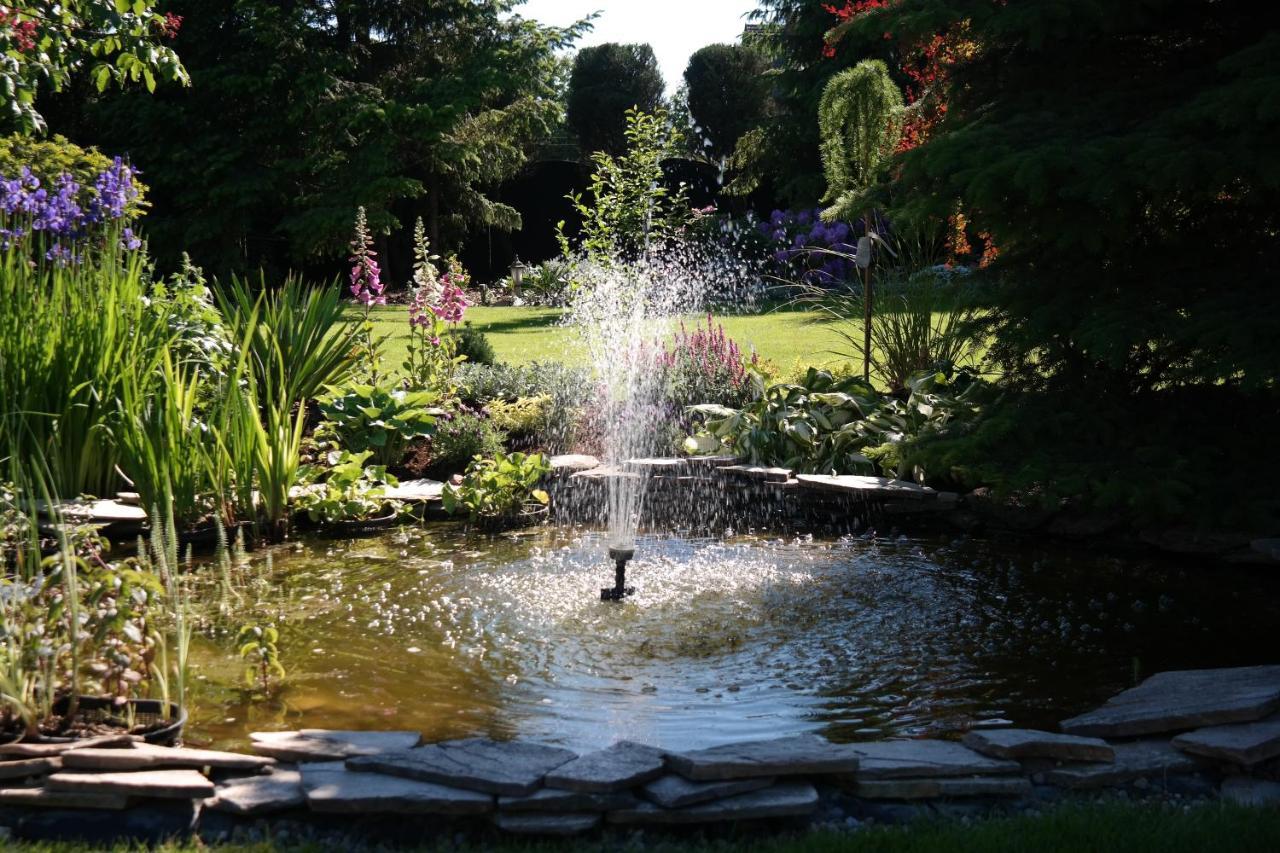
[{"x": 726, "y": 639}]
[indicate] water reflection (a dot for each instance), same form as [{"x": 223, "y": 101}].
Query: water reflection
[{"x": 724, "y": 640}]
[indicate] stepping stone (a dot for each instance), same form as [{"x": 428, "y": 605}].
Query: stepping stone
[
  {"x": 46, "y": 799},
  {"x": 789, "y": 799},
  {"x": 27, "y": 767},
  {"x": 1028, "y": 743},
  {"x": 1186, "y": 699},
  {"x": 623, "y": 765},
  {"x": 876, "y": 488},
  {"x": 672, "y": 791},
  {"x": 789, "y": 756},
  {"x": 329, "y": 744},
  {"x": 330, "y": 788},
  {"x": 558, "y": 825},
  {"x": 559, "y": 800},
  {"x": 605, "y": 472},
  {"x": 1244, "y": 743},
  {"x": 92, "y": 510},
  {"x": 140, "y": 756},
  {"x": 1246, "y": 791},
  {"x": 661, "y": 466},
  {"x": 253, "y": 795},
  {"x": 1133, "y": 761},
  {"x": 923, "y": 759},
  {"x": 45, "y": 750},
  {"x": 574, "y": 462},
  {"x": 163, "y": 784},
  {"x": 757, "y": 472},
  {"x": 512, "y": 768},
  {"x": 929, "y": 789},
  {"x": 422, "y": 491}
]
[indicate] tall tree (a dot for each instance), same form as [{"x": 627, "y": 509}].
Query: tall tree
[
  {"x": 728, "y": 94},
  {"x": 607, "y": 80},
  {"x": 301, "y": 111},
  {"x": 1122, "y": 155}
]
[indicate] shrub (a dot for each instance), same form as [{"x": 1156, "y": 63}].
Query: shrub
[
  {"x": 473, "y": 344},
  {"x": 460, "y": 437},
  {"x": 499, "y": 486},
  {"x": 383, "y": 420},
  {"x": 567, "y": 387},
  {"x": 527, "y": 417},
  {"x": 706, "y": 366},
  {"x": 347, "y": 491},
  {"x": 50, "y": 159}
]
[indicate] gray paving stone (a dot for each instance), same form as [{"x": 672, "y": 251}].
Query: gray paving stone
[
  {"x": 623, "y": 765},
  {"x": 1184, "y": 699},
  {"x": 1242, "y": 743},
  {"x": 1247, "y": 791},
  {"x": 24, "y": 768},
  {"x": 276, "y": 791},
  {"x": 141, "y": 756},
  {"x": 950, "y": 786},
  {"x": 329, "y": 744},
  {"x": 788, "y": 799},
  {"x": 673, "y": 791},
  {"x": 331, "y": 788},
  {"x": 574, "y": 462},
  {"x": 757, "y": 472},
  {"x": 561, "y": 801},
  {"x": 1029, "y": 743},
  {"x": 44, "y": 798},
  {"x": 877, "y": 488},
  {"x": 554, "y": 825},
  {"x": 907, "y": 759},
  {"x": 162, "y": 784},
  {"x": 789, "y": 756},
  {"x": 1136, "y": 760},
  {"x": 46, "y": 750},
  {"x": 511, "y": 768}
]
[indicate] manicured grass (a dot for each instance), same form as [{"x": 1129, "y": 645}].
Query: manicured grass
[
  {"x": 1113, "y": 828},
  {"x": 520, "y": 335}
]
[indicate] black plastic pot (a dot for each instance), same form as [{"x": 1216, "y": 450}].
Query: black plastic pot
[
  {"x": 146, "y": 713},
  {"x": 361, "y": 526}
]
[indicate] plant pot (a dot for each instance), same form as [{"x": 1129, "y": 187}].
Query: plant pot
[
  {"x": 361, "y": 526},
  {"x": 528, "y": 517},
  {"x": 146, "y": 713}
]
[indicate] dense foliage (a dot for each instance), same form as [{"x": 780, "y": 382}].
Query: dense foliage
[
  {"x": 728, "y": 94},
  {"x": 607, "y": 81}
]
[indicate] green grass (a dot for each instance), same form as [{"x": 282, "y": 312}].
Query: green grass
[
  {"x": 520, "y": 335},
  {"x": 1073, "y": 829}
]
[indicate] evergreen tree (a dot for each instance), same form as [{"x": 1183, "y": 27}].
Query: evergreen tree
[
  {"x": 728, "y": 94},
  {"x": 607, "y": 80}
]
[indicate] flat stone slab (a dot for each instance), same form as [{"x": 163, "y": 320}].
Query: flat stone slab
[
  {"x": 24, "y": 768},
  {"x": 951, "y": 786},
  {"x": 789, "y": 799},
  {"x": 673, "y": 791},
  {"x": 757, "y": 472},
  {"x": 1247, "y": 791},
  {"x": 917, "y": 759},
  {"x": 43, "y": 798},
  {"x": 662, "y": 465},
  {"x": 788, "y": 756},
  {"x": 162, "y": 784},
  {"x": 605, "y": 472},
  {"x": 91, "y": 511},
  {"x": 1029, "y": 743},
  {"x": 512, "y": 768},
  {"x": 329, "y": 744},
  {"x": 555, "y": 825},
  {"x": 1184, "y": 699},
  {"x": 1242, "y": 743},
  {"x": 1136, "y": 760},
  {"x": 276, "y": 791},
  {"x": 878, "y": 488},
  {"x": 712, "y": 461},
  {"x": 330, "y": 788},
  {"x": 626, "y": 764},
  {"x": 560, "y": 801},
  {"x": 44, "y": 750},
  {"x": 574, "y": 462},
  {"x": 421, "y": 491},
  {"x": 141, "y": 756}
]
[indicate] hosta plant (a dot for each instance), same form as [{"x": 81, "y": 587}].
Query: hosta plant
[
  {"x": 349, "y": 490},
  {"x": 380, "y": 419},
  {"x": 499, "y": 487}
]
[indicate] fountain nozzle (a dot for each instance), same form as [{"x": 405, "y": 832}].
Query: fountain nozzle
[{"x": 619, "y": 590}]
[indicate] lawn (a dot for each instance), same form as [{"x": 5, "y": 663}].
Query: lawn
[{"x": 534, "y": 334}]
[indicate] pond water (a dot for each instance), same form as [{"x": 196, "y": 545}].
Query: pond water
[{"x": 726, "y": 639}]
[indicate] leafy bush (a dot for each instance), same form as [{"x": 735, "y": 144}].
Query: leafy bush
[
  {"x": 381, "y": 420},
  {"x": 805, "y": 248},
  {"x": 459, "y": 437},
  {"x": 472, "y": 344},
  {"x": 526, "y": 417},
  {"x": 498, "y": 487},
  {"x": 549, "y": 283},
  {"x": 567, "y": 387},
  {"x": 50, "y": 159},
  {"x": 348, "y": 490}
]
